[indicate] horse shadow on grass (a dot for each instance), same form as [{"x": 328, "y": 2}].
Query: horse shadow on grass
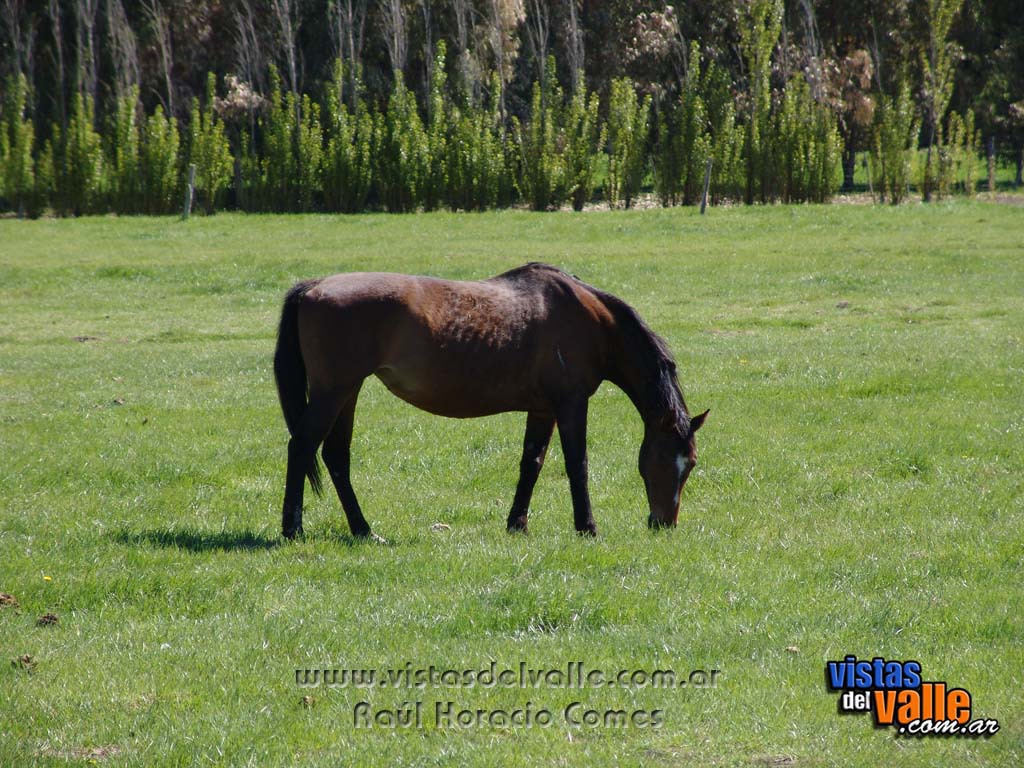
[
  {"x": 193, "y": 540},
  {"x": 245, "y": 540}
]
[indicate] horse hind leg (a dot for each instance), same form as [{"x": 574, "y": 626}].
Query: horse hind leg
[
  {"x": 337, "y": 453},
  {"x": 317, "y": 420},
  {"x": 535, "y": 447}
]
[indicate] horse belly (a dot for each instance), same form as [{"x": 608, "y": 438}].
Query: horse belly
[{"x": 445, "y": 388}]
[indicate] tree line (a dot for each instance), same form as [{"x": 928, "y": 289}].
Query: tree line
[{"x": 397, "y": 105}]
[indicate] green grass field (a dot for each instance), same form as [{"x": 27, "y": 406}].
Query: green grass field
[{"x": 860, "y": 491}]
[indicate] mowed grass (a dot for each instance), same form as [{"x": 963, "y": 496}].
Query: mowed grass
[{"x": 859, "y": 492}]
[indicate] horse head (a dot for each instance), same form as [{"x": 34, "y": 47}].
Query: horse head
[{"x": 667, "y": 456}]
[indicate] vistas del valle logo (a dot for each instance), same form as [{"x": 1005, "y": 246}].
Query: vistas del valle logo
[{"x": 897, "y": 696}]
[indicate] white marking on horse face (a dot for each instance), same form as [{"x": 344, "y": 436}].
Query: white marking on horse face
[{"x": 681, "y": 461}]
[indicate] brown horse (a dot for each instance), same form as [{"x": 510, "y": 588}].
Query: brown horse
[{"x": 534, "y": 339}]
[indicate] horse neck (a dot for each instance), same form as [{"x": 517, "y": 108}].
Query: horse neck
[{"x": 644, "y": 381}]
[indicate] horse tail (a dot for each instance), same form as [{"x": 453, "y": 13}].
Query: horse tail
[{"x": 290, "y": 372}]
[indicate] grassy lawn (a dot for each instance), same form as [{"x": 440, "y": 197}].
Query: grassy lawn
[{"x": 860, "y": 491}]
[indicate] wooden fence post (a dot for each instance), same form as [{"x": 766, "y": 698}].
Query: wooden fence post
[
  {"x": 189, "y": 191},
  {"x": 991, "y": 164},
  {"x": 707, "y": 183}
]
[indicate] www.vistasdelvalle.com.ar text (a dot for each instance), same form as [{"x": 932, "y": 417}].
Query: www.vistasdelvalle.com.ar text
[
  {"x": 572, "y": 675},
  {"x": 444, "y": 713}
]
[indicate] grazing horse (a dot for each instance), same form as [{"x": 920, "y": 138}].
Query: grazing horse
[{"x": 533, "y": 339}]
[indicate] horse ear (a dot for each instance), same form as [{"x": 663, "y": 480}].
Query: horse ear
[{"x": 697, "y": 421}]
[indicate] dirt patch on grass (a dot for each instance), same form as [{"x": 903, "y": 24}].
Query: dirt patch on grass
[
  {"x": 47, "y": 620},
  {"x": 854, "y": 198},
  {"x": 1008, "y": 199},
  {"x": 25, "y": 661},
  {"x": 8, "y": 601},
  {"x": 89, "y": 754}
]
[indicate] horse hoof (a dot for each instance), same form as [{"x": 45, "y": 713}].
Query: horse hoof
[
  {"x": 372, "y": 537},
  {"x": 291, "y": 533},
  {"x": 590, "y": 530},
  {"x": 518, "y": 525}
]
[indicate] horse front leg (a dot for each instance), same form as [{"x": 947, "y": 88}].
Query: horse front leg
[
  {"x": 572, "y": 431},
  {"x": 535, "y": 447}
]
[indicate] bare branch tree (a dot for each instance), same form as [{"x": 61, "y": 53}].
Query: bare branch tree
[
  {"x": 396, "y": 35},
  {"x": 498, "y": 46},
  {"x": 123, "y": 48},
  {"x": 574, "y": 43},
  {"x": 348, "y": 24},
  {"x": 336, "y": 27},
  {"x": 428, "y": 45},
  {"x": 469, "y": 78},
  {"x": 29, "y": 45},
  {"x": 162, "y": 30},
  {"x": 250, "y": 57},
  {"x": 85, "y": 49},
  {"x": 11, "y": 12},
  {"x": 812, "y": 50},
  {"x": 19, "y": 21},
  {"x": 538, "y": 29},
  {"x": 467, "y": 36},
  {"x": 57, "y": 52},
  {"x": 287, "y": 13},
  {"x": 505, "y": 17}
]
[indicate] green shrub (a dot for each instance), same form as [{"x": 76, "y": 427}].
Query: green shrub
[
  {"x": 584, "y": 138},
  {"x": 802, "y": 148},
  {"x": 17, "y": 137},
  {"x": 893, "y": 145},
  {"x": 695, "y": 132},
  {"x": 276, "y": 187},
  {"x": 160, "y": 170},
  {"x": 541, "y": 176},
  {"x": 209, "y": 151},
  {"x": 124, "y": 170},
  {"x": 309, "y": 146},
  {"x": 478, "y": 170},
  {"x": 668, "y": 161},
  {"x": 964, "y": 143},
  {"x": 727, "y": 135},
  {"x": 254, "y": 195},
  {"x": 700, "y": 126},
  {"x": 759, "y": 27},
  {"x": 45, "y": 175},
  {"x": 77, "y": 159},
  {"x": 435, "y": 178},
  {"x": 352, "y": 146},
  {"x": 404, "y": 158},
  {"x": 627, "y": 141}
]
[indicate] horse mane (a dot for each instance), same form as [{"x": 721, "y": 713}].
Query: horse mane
[
  {"x": 647, "y": 351},
  {"x": 660, "y": 397}
]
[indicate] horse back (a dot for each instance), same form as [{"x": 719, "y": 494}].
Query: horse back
[{"x": 520, "y": 341}]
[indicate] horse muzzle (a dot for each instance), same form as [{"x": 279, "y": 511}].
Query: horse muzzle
[{"x": 654, "y": 522}]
